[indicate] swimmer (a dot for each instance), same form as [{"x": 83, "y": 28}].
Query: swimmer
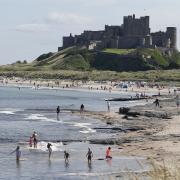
[{"x": 49, "y": 149}]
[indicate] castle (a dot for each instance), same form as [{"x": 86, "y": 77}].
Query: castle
[{"x": 133, "y": 33}]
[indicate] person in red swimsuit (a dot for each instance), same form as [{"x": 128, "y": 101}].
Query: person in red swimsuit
[{"x": 108, "y": 153}]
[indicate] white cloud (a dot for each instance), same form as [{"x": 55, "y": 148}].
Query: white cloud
[
  {"x": 52, "y": 21},
  {"x": 67, "y": 18},
  {"x": 32, "y": 27}
]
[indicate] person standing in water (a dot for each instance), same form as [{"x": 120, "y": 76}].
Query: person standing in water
[
  {"x": 89, "y": 155},
  {"x": 18, "y": 153},
  {"x": 108, "y": 106},
  {"x": 49, "y": 149},
  {"x": 81, "y": 108},
  {"x": 35, "y": 141},
  {"x": 108, "y": 153},
  {"x": 66, "y": 157},
  {"x": 58, "y": 110}
]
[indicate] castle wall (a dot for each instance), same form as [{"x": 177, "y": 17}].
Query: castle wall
[
  {"x": 113, "y": 31},
  {"x": 93, "y": 35},
  {"x": 158, "y": 38},
  {"x": 128, "y": 42}
]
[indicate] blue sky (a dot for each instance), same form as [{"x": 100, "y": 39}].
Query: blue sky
[{"x": 32, "y": 27}]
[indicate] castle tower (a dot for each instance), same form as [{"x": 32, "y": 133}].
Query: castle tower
[
  {"x": 171, "y": 33},
  {"x": 136, "y": 26},
  {"x": 68, "y": 41}
]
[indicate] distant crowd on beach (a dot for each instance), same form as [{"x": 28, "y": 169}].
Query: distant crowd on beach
[{"x": 131, "y": 86}]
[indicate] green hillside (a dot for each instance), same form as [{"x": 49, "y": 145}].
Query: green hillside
[{"x": 119, "y": 60}]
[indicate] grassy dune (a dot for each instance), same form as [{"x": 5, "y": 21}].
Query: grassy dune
[{"x": 163, "y": 76}]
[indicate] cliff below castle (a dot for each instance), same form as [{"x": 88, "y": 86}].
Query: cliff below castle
[{"x": 142, "y": 59}]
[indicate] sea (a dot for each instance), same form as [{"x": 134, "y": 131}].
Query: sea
[{"x": 25, "y": 110}]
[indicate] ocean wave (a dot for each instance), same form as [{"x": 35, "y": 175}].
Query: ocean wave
[
  {"x": 41, "y": 117},
  {"x": 42, "y": 146},
  {"x": 86, "y": 128},
  {"x": 9, "y": 111}
]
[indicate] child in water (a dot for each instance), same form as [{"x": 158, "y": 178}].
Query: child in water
[
  {"x": 30, "y": 141},
  {"x": 108, "y": 153},
  {"x": 49, "y": 149}
]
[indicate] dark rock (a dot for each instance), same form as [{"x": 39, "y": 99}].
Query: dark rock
[
  {"x": 128, "y": 112},
  {"x": 109, "y": 123},
  {"x": 125, "y": 117},
  {"x": 134, "y": 128},
  {"x": 123, "y": 110},
  {"x": 133, "y": 113},
  {"x": 163, "y": 115}
]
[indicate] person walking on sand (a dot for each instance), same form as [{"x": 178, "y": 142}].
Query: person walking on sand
[
  {"x": 89, "y": 155},
  {"x": 108, "y": 153},
  {"x": 18, "y": 153},
  {"x": 177, "y": 101},
  {"x": 66, "y": 157},
  {"x": 49, "y": 149},
  {"x": 156, "y": 102},
  {"x": 81, "y": 108}
]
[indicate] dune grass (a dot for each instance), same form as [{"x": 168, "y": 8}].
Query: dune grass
[{"x": 162, "y": 76}]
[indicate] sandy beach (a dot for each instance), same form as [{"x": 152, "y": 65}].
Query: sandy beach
[{"x": 108, "y": 86}]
